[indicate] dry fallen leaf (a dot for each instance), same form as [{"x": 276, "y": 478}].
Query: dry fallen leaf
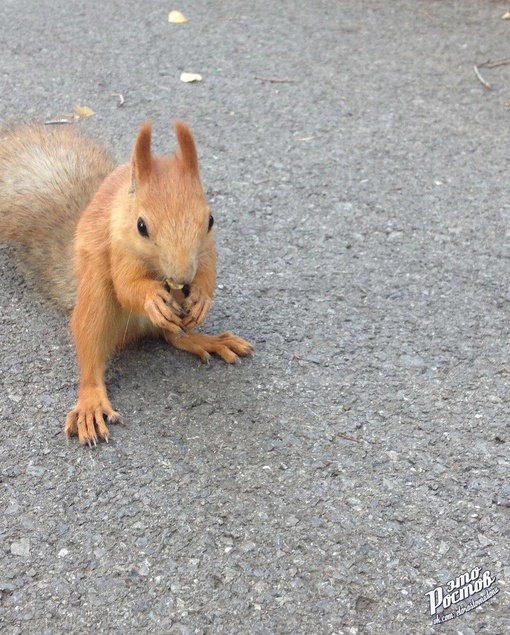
[
  {"x": 506, "y": 16},
  {"x": 176, "y": 17},
  {"x": 190, "y": 77},
  {"x": 83, "y": 111}
]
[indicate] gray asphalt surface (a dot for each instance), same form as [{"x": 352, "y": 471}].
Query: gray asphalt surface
[{"x": 361, "y": 458}]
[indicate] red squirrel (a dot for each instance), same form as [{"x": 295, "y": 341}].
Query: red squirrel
[{"x": 130, "y": 249}]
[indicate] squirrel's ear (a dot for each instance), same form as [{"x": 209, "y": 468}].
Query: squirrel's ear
[
  {"x": 187, "y": 151},
  {"x": 141, "y": 159}
]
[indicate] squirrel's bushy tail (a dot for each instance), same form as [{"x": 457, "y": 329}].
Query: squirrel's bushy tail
[{"x": 47, "y": 178}]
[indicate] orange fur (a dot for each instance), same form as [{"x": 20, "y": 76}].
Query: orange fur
[{"x": 121, "y": 267}]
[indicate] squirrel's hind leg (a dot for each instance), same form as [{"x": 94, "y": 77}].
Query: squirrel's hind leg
[{"x": 227, "y": 345}]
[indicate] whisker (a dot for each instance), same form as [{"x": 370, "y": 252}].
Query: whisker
[{"x": 126, "y": 329}]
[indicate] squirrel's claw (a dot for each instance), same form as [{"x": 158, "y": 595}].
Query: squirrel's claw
[
  {"x": 197, "y": 306},
  {"x": 164, "y": 312},
  {"x": 88, "y": 423},
  {"x": 228, "y": 346}
]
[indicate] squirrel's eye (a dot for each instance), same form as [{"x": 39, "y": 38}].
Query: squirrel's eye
[
  {"x": 211, "y": 222},
  {"x": 142, "y": 228}
]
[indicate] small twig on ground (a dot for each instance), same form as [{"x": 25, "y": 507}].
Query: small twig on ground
[
  {"x": 423, "y": 12},
  {"x": 482, "y": 80},
  {"x": 490, "y": 64},
  {"x": 57, "y": 121},
  {"x": 342, "y": 435},
  {"x": 347, "y": 437},
  {"x": 275, "y": 80},
  {"x": 121, "y": 99},
  {"x": 298, "y": 358}
]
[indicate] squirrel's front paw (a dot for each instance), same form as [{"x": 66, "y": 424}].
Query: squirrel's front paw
[
  {"x": 164, "y": 312},
  {"x": 197, "y": 306},
  {"x": 86, "y": 420}
]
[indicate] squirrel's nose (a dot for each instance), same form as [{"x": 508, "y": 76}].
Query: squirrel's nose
[{"x": 177, "y": 277}]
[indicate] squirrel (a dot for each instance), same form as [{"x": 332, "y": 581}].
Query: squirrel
[{"x": 129, "y": 249}]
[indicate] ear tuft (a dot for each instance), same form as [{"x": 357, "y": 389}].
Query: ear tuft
[
  {"x": 187, "y": 151},
  {"x": 141, "y": 159}
]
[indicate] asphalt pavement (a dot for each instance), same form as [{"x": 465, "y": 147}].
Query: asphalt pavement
[{"x": 352, "y": 478}]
